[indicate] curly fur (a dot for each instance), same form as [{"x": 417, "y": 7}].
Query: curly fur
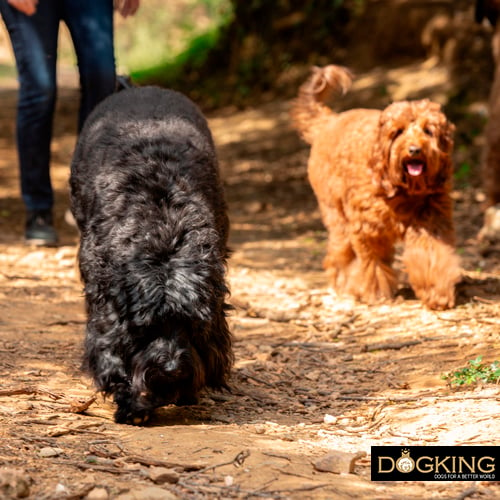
[
  {"x": 149, "y": 204},
  {"x": 381, "y": 177}
]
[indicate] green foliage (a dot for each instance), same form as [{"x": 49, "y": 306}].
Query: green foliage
[
  {"x": 247, "y": 48},
  {"x": 195, "y": 54},
  {"x": 462, "y": 174},
  {"x": 162, "y": 34},
  {"x": 476, "y": 372},
  {"x": 356, "y": 5}
]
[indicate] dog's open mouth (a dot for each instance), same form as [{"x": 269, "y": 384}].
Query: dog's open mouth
[{"x": 414, "y": 167}]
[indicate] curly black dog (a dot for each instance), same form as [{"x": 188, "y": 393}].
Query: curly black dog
[{"x": 149, "y": 203}]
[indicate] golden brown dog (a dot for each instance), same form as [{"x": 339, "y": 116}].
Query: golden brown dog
[{"x": 381, "y": 177}]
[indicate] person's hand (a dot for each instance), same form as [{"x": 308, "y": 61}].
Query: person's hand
[
  {"x": 27, "y": 7},
  {"x": 127, "y": 7}
]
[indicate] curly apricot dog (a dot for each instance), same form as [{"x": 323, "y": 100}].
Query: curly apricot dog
[
  {"x": 149, "y": 203},
  {"x": 381, "y": 177}
]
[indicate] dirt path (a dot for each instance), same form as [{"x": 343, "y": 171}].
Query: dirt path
[{"x": 313, "y": 373}]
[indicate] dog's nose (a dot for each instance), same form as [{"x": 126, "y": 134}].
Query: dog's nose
[{"x": 414, "y": 150}]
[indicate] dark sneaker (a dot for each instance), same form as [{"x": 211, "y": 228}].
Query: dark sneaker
[{"x": 39, "y": 229}]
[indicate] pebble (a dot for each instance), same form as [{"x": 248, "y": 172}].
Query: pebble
[
  {"x": 97, "y": 494},
  {"x": 329, "y": 419},
  {"x": 338, "y": 462},
  {"x": 61, "y": 490},
  {"x": 260, "y": 429},
  {"x": 151, "y": 493},
  {"x": 14, "y": 483},
  {"x": 49, "y": 452},
  {"x": 161, "y": 475}
]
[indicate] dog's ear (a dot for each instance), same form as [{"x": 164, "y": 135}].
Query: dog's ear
[
  {"x": 443, "y": 127},
  {"x": 217, "y": 358},
  {"x": 444, "y": 175},
  {"x": 444, "y": 137},
  {"x": 387, "y": 130},
  {"x": 446, "y": 133}
]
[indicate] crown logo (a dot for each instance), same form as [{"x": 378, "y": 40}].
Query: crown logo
[{"x": 405, "y": 463}]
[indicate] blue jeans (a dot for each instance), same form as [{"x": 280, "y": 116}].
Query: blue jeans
[{"x": 34, "y": 41}]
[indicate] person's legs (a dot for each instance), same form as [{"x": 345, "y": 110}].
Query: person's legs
[
  {"x": 91, "y": 28},
  {"x": 34, "y": 41}
]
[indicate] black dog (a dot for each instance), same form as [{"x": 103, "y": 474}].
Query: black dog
[{"x": 149, "y": 204}]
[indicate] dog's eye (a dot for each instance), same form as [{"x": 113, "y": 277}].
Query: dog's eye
[
  {"x": 428, "y": 132},
  {"x": 397, "y": 133}
]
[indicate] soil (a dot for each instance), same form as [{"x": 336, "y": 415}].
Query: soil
[{"x": 314, "y": 373}]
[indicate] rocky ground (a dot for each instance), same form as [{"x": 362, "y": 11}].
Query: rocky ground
[{"x": 314, "y": 374}]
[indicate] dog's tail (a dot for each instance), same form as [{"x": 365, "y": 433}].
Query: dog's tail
[{"x": 309, "y": 109}]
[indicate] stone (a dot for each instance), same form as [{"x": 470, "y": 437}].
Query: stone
[
  {"x": 14, "y": 483},
  {"x": 151, "y": 493},
  {"x": 338, "y": 462},
  {"x": 97, "y": 494},
  {"x": 49, "y": 452},
  {"x": 490, "y": 231},
  {"x": 161, "y": 475}
]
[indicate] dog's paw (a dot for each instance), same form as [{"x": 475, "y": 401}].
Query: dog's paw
[
  {"x": 371, "y": 282},
  {"x": 436, "y": 298},
  {"x": 437, "y": 290},
  {"x": 125, "y": 415}
]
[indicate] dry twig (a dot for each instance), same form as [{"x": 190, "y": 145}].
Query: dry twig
[
  {"x": 467, "y": 493},
  {"x": 100, "y": 468},
  {"x": 389, "y": 345},
  {"x": 164, "y": 463},
  {"x": 81, "y": 406},
  {"x": 30, "y": 391},
  {"x": 237, "y": 461}
]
